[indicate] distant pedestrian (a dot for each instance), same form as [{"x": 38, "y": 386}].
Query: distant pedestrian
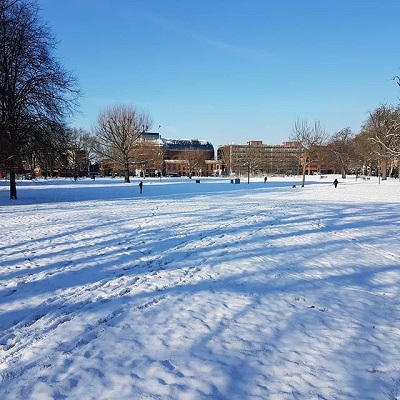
[
  {"x": 141, "y": 186},
  {"x": 335, "y": 183},
  {"x": 265, "y": 179}
]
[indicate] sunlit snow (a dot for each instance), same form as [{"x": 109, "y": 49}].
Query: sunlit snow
[{"x": 207, "y": 290}]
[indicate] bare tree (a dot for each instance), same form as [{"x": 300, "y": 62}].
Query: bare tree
[
  {"x": 366, "y": 151},
  {"x": 117, "y": 132},
  {"x": 78, "y": 151},
  {"x": 310, "y": 138},
  {"x": 383, "y": 129},
  {"x": 195, "y": 160},
  {"x": 45, "y": 147},
  {"x": 341, "y": 149},
  {"x": 149, "y": 157},
  {"x": 34, "y": 89},
  {"x": 252, "y": 160}
]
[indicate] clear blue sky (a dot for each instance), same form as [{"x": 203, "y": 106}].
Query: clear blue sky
[{"x": 229, "y": 70}]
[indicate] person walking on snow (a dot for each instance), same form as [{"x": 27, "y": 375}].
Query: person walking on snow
[
  {"x": 141, "y": 186},
  {"x": 335, "y": 183}
]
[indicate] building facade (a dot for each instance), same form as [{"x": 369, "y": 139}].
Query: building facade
[
  {"x": 258, "y": 158},
  {"x": 157, "y": 156},
  {"x": 188, "y": 157}
]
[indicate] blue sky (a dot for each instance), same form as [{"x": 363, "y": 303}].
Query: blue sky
[{"x": 227, "y": 70}]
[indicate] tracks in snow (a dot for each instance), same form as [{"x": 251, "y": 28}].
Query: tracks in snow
[{"x": 140, "y": 285}]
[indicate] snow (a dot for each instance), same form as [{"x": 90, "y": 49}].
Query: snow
[{"x": 206, "y": 290}]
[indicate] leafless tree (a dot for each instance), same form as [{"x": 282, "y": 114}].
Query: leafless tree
[
  {"x": 252, "y": 160},
  {"x": 195, "y": 160},
  {"x": 117, "y": 132},
  {"x": 310, "y": 138},
  {"x": 34, "y": 88},
  {"x": 45, "y": 147},
  {"x": 148, "y": 157},
  {"x": 78, "y": 150},
  {"x": 383, "y": 129},
  {"x": 366, "y": 152},
  {"x": 341, "y": 150}
]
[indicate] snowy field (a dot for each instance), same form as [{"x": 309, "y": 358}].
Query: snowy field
[{"x": 204, "y": 290}]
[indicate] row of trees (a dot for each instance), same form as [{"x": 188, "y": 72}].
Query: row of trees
[
  {"x": 376, "y": 146},
  {"x": 375, "y": 149},
  {"x": 37, "y": 95}
]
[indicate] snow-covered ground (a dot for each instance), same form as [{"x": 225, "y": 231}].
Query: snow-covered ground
[{"x": 206, "y": 290}]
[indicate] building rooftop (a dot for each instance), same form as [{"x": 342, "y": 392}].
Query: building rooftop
[{"x": 188, "y": 144}]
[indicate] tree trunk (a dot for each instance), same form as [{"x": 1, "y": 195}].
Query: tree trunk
[
  {"x": 127, "y": 173},
  {"x": 13, "y": 185},
  {"x": 343, "y": 173},
  {"x": 304, "y": 174},
  {"x": 384, "y": 170}
]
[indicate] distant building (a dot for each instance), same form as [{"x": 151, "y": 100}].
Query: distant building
[
  {"x": 258, "y": 158},
  {"x": 156, "y": 156},
  {"x": 187, "y": 157}
]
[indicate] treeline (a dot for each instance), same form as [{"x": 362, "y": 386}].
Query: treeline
[
  {"x": 375, "y": 149},
  {"x": 38, "y": 95}
]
